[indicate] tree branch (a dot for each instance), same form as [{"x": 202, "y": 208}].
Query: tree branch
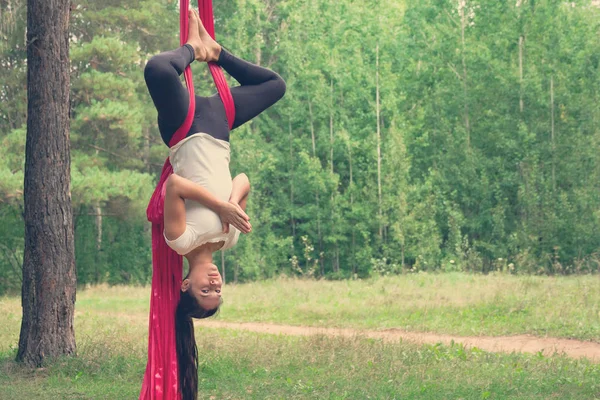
[
  {"x": 116, "y": 154},
  {"x": 455, "y": 71}
]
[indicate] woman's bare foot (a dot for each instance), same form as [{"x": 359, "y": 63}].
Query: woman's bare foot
[
  {"x": 194, "y": 39},
  {"x": 213, "y": 49}
]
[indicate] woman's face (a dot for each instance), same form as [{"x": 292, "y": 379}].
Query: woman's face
[{"x": 204, "y": 283}]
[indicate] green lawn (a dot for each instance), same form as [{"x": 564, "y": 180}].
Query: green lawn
[
  {"x": 240, "y": 365},
  {"x": 445, "y": 303},
  {"x": 111, "y": 335}
]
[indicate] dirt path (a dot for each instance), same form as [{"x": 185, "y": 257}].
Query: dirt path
[{"x": 508, "y": 344}]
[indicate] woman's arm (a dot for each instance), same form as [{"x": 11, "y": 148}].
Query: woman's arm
[
  {"x": 178, "y": 189},
  {"x": 239, "y": 194},
  {"x": 240, "y": 190}
]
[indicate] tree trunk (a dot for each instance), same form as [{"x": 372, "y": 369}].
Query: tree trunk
[
  {"x": 552, "y": 133},
  {"x": 48, "y": 293},
  {"x": 402, "y": 247},
  {"x": 259, "y": 41},
  {"x": 236, "y": 272},
  {"x": 378, "y": 140},
  {"x": 521, "y": 103},
  {"x": 352, "y": 208},
  {"x": 463, "y": 24},
  {"x": 331, "y": 132},
  {"x": 98, "y": 241},
  {"x": 292, "y": 181},
  {"x": 223, "y": 265},
  {"x": 314, "y": 149},
  {"x": 335, "y": 261},
  {"x": 146, "y": 151}
]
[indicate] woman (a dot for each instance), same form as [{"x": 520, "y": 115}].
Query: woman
[{"x": 204, "y": 206}]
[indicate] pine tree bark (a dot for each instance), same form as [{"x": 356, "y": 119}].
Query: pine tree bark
[{"x": 48, "y": 294}]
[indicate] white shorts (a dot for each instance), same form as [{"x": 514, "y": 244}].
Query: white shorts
[{"x": 191, "y": 240}]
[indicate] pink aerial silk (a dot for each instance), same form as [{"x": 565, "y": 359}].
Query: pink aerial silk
[{"x": 162, "y": 372}]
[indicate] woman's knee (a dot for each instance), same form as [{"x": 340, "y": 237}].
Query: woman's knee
[
  {"x": 279, "y": 86},
  {"x": 156, "y": 67}
]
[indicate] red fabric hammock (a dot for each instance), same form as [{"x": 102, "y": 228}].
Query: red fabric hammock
[{"x": 162, "y": 372}]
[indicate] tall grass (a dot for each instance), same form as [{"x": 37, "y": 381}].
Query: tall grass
[
  {"x": 453, "y": 303},
  {"x": 241, "y": 365},
  {"x": 111, "y": 329}
]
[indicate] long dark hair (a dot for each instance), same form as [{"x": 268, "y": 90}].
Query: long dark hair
[{"x": 187, "y": 351}]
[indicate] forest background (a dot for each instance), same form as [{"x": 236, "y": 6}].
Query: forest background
[{"x": 414, "y": 135}]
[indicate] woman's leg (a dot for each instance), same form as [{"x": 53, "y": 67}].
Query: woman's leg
[
  {"x": 260, "y": 87},
  {"x": 169, "y": 95},
  {"x": 162, "y": 72}
]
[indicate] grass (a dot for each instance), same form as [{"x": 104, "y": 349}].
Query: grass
[
  {"x": 460, "y": 304},
  {"x": 111, "y": 333},
  {"x": 240, "y": 365},
  {"x": 445, "y": 303}
]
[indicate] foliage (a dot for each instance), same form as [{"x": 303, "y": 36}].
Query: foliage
[{"x": 488, "y": 123}]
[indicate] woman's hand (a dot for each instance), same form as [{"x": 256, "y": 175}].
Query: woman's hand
[{"x": 232, "y": 213}]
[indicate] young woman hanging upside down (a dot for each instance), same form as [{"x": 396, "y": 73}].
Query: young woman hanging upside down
[{"x": 204, "y": 207}]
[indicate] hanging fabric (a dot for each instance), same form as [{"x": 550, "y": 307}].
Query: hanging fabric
[{"x": 162, "y": 372}]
